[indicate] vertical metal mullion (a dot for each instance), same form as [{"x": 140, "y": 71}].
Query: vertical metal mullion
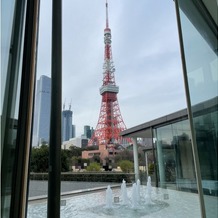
[
  {"x": 20, "y": 177},
  {"x": 188, "y": 101},
  {"x": 55, "y": 121},
  {"x": 154, "y": 156}
]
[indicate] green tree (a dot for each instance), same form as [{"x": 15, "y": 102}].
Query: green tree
[
  {"x": 65, "y": 161},
  {"x": 74, "y": 151},
  {"x": 124, "y": 155},
  {"x": 95, "y": 158},
  {"x": 126, "y": 166},
  {"x": 39, "y": 159},
  {"x": 150, "y": 168},
  {"x": 93, "y": 167}
]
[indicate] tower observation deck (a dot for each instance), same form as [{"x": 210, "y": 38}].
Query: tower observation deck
[{"x": 110, "y": 122}]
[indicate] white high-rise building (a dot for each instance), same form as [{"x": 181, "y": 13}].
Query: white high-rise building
[{"x": 42, "y": 111}]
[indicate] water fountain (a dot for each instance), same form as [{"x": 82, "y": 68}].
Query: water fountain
[
  {"x": 100, "y": 204},
  {"x": 134, "y": 196},
  {"x": 136, "y": 201},
  {"x": 109, "y": 197},
  {"x": 138, "y": 185},
  {"x": 148, "y": 192},
  {"x": 124, "y": 196}
]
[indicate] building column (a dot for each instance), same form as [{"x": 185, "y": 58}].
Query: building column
[
  {"x": 136, "y": 161},
  {"x": 161, "y": 165},
  {"x": 54, "y": 175},
  {"x": 146, "y": 162}
]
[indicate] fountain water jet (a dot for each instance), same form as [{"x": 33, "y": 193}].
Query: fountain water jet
[
  {"x": 138, "y": 184},
  {"x": 134, "y": 196},
  {"x": 148, "y": 192},
  {"x": 124, "y": 193},
  {"x": 109, "y": 197}
]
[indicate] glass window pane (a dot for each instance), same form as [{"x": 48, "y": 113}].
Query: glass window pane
[
  {"x": 175, "y": 159},
  {"x": 7, "y": 14},
  {"x": 12, "y": 37},
  {"x": 200, "y": 47},
  {"x": 201, "y": 63}
]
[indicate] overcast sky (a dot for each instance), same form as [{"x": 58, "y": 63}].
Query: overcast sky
[{"x": 145, "y": 49}]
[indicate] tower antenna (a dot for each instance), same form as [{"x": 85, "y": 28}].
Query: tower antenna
[
  {"x": 107, "y": 22},
  {"x": 70, "y": 104}
]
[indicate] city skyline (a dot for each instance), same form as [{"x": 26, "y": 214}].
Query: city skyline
[{"x": 146, "y": 56}]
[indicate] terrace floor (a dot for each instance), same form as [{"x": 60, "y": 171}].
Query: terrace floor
[{"x": 91, "y": 203}]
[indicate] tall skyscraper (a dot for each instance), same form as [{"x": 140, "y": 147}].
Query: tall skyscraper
[
  {"x": 87, "y": 132},
  {"x": 67, "y": 131},
  {"x": 42, "y": 111}
]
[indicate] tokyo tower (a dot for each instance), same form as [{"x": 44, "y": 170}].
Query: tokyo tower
[{"x": 110, "y": 122}]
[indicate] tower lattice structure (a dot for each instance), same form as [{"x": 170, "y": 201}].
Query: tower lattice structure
[{"x": 110, "y": 122}]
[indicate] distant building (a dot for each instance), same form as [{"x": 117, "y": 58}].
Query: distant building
[
  {"x": 67, "y": 144},
  {"x": 80, "y": 142},
  {"x": 73, "y": 131},
  {"x": 104, "y": 152},
  {"x": 42, "y": 111},
  {"x": 67, "y": 131},
  {"x": 88, "y": 131}
]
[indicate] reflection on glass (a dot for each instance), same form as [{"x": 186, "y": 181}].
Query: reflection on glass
[
  {"x": 175, "y": 159},
  {"x": 7, "y": 12},
  {"x": 202, "y": 64},
  {"x": 201, "y": 61}
]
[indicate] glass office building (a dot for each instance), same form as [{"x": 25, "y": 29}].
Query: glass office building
[{"x": 186, "y": 149}]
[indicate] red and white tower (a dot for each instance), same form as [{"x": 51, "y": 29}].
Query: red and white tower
[{"x": 110, "y": 122}]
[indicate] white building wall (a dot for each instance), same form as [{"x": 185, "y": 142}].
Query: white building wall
[{"x": 73, "y": 142}]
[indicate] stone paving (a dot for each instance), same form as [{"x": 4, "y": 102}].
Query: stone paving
[
  {"x": 39, "y": 188},
  {"x": 78, "y": 203}
]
